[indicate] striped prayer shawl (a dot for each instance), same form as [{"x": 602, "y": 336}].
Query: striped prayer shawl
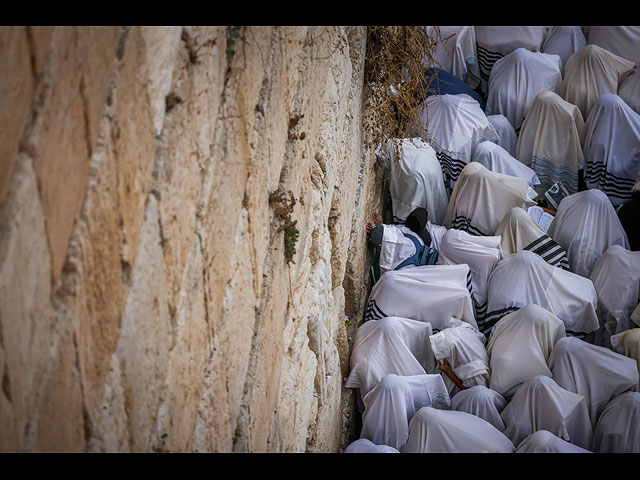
[
  {"x": 460, "y": 222},
  {"x": 614, "y": 186},
  {"x": 549, "y": 173},
  {"x": 451, "y": 168},
  {"x": 486, "y": 60},
  {"x": 550, "y": 252},
  {"x": 373, "y": 312}
]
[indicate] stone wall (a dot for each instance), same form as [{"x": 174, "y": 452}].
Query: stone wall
[{"x": 146, "y": 303}]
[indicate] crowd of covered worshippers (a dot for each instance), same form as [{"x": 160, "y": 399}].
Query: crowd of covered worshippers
[{"x": 505, "y": 315}]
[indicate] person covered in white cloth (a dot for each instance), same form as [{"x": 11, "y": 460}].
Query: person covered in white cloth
[
  {"x": 525, "y": 278},
  {"x": 497, "y": 159},
  {"x": 627, "y": 343},
  {"x": 519, "y": 231},
  {"x": 550, "y": 142},
  {"x": 590, "y": 73},
  {"x": 621, "y": 40},
  {"x": 612, "y": 148},
  {"x": 389, "y": 407},
  {"x": 618, "y": 428},
  {"x": 520, "y": 346},
  {"x": 543, "y": 441},
  {"x": 517, "y": 78},
  {"x": 481, "y": 199},
  {"x": 585, "y": 225},
  {"x": 629, "y": 89},
  {"x": 506, "y": 133},
  {"x": 450, "y": 431},
  {"x": 482, "y": 402},
  {"x": 364, "y": 445},
  {"x": 455, "y": 52},
  {"x": 616, "y": 278},
  {"x": 563, "y": 41},
  {"x": 595, "y": 372},
  {"x": 454, "y": 125},
  {"x": 415, "y": 178},
  {"x": 541, "y": 404}
]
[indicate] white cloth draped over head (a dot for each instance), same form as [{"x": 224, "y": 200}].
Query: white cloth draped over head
[
  {"x": 497, "y": 159},
  {"x": 389, "y": 345},
  {"x": 482, "y": 402},
  {"x": 628, "y": 343},
  {"x": 612, "y": 148},
  {"x": 520, "y": 346},
  {"x": 392, "y": 403},
  {"x": 416, "y": 179},
  {"x": 362, "y": 445},
  {"x": 396, "y": 247},
  {"x": 481, "y": 199},
  {"x": 429, "y": 293},
  {"x": 618, "y": 428},
  {"x": 506, "y": 133},
  {"x": 480, "y": 253},
  {"x": 524, "y": 278},
  {"x": 550, "y": 141},
  {"x": 450, "y": 431},
  {"x": 455, "y": 124},
  {"x": 629, "y": 89},
  {"x": 616, "y": 278},
  {"x": 621, "y": 40},
  {"x": 590, "y": 73},
  {"x": 543, "y": 441},
  {"x": 463, "y": 347},
  {"x": 541, "y": 404},
  {"x": 597, "y": 373},
  {"x": 456, "y": 52},
  {"x": 494, "y": 43},
  {"x": 517, "y": 78},
  {"x": 563, "y": 41},
  {"x": 585, "y": 225},
  {"x": 519, "y": 231}
]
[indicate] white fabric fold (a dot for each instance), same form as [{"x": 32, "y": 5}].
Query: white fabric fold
[
  {"x": 482, "y": 402},
  {"x": 497, "y": 159},
  {"x": 618, "y": 428},
  {"x": 629, "y": 89},
  {"x": 506, "y": 133},
  {"x": 456, "y": 52},
  {"x": 628, "y": 343},
  {"x": 621, "y": 40},
  {"x": 362, "y": 445},
  {"x": 563, "y": 41},
  {"x": 543, "y": 441}
]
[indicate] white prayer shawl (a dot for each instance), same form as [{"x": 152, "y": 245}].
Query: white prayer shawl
[
  {"x": 396, "y": 247},
  {"x": 618, "y": 428},
  {"x": 612, "y": 148},
  {"x": 629, "y": 89},
  {"x": 480, "y": 253},
  {"x": 543, "y": 441},
  {"x": 541, "y": 404},
  {"x": 628, "y": 343},
  {"x": 525, "y": 278},
  {"x": 416, "y": 179},
  {"x": 597, "y": 373},
  {"x": 493, "y": 43},
  {"x": 390, "y": 406},
  {"x": 482, "y": 402},
  {"x": 362, "y": 445},
  {"x": 436, "y": 232},
  {"x": 481, "y": 198},
  {"x": 507, "y": 135},
  {"x": 616, "y": 278},
  {"x": 520, "y": 346},
  {"x": 585, "y": 225},
  {"x": 456, "y": 52},
  {"x": 450, "y": 431},
  {"x": 518, "y": 231},
  {"x": 550, "y": 141},
  {"x": 622, "y": 41},
  {"x": 563, "y": 41},
  {"x": 463, "y": 347},
  {"x": 497, "y": 159},
  {"x": 389, "y": 345},
  {"x": 429, "y": 293},
  {"x": 455, "y": 124},
  {"x": 590, "y": 73},
  {"x": 517, "y": 78}
]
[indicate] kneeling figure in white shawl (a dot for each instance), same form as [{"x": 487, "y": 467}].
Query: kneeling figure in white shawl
[{"x": 618, "y": 428}]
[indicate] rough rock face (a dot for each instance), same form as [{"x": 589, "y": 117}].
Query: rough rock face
[{"x": 146, "y": 303}]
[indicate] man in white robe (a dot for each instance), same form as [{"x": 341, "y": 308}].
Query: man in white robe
[
  {"x": 525, "y": 278},
  {"x": 482, "y": 402},
  {"x": 618, "y": 428},
  {"x": 519, "y": 231},
  {"x": 541, "y": 404},
  {"x": 585, "y": 225},
  {"x": 455, "y": 124},
  {"x": 590, "y": 73},
  {"x": 621, "y": 40},
  {"x": 506, "y": 133},
  {"x": 597, "y": 373},
  {"x": 430, "y": 293},
  {"x": 550, "y": 141},
  {"x": 520, "y": 345},
  {"x": 616, "y": 278},
  {"x": 456, "y": 52},
  {"x": 481, "y": 199},
  {"x": 542, "y": 441},
  {"x": 563, "y": 41},
  {"x": 449, "y": 431},
  {"x": 497, "y": 159},
  {"x": 612, "y": 148},
  {"x": 517, "y": 78}
]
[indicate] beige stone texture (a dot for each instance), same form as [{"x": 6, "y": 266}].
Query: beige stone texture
[{"x": 146, "y": 303}]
